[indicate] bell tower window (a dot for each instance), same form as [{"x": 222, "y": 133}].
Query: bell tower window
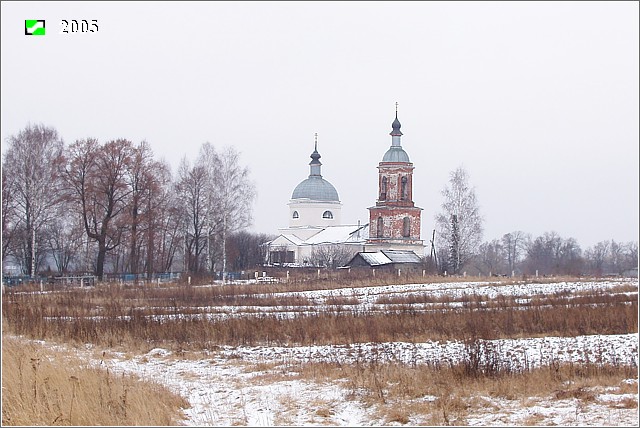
[
  {"x": 383, "y": 189},
  {"x": 380, "y": 228},
  {"x": 404, "y": 189},
  {"x": 406, "y": 227},
  {"x": 296, "y": 215},
  {"x": 327, "y": 214}
]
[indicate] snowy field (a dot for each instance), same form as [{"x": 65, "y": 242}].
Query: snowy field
[{"x": 259, "y": 386}]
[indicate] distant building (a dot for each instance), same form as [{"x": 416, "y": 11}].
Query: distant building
[
  {"x": 315, "y": 236},
  {"x": 394, "y": 221},
  {"x": 387, "y": 260}
]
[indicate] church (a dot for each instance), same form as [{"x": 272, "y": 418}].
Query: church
[{"x": 315, "y": 235}]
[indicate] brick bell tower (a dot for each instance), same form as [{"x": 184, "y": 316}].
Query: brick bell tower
[{"x": 394, "y": 222}]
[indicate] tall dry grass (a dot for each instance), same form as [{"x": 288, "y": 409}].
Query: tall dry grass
[
  {"x": 443, "y": 394},
  {"x": 144, "y": 317},
  {"x": 45, "y": 387}
]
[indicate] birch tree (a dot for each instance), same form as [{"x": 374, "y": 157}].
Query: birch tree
[
  {"x": 459, "y": 223},
  {"x": 235, "y": 194},
  {"x": 32, "y": 163}
]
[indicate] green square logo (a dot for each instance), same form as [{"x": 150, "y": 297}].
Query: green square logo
[{"x": 34, "y": 27}]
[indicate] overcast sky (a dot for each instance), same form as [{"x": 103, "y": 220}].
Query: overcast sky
[{"x": 537, "y": 101}]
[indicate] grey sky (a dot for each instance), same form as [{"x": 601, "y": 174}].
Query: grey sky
[{"x": 538, "y": 101}]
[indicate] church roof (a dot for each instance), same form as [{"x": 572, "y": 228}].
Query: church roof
[
  {"x": 315, "y": 188},
  {"x": 395, "y": 154},
  {"x": 340, "y": 235}
]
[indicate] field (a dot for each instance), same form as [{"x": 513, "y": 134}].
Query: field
[{"x": 427, "y": 351}]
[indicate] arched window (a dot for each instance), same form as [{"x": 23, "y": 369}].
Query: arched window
[
  {"x": 404, "y": 188},
  {"x": 327, "y": 214},
  {"x": 383, "y": 189},
  {"x": 296, "y": 215},
  {"x": 406, "y": 227},
  {"x": 380, "y": 228}
]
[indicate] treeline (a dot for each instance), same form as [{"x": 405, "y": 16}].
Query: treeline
[
  {"x": 519, "y": 253},
  {"x": 111, "y": 207},
  {"x": 460, "y": 247}
]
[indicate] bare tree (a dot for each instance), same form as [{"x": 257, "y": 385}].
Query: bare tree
[
  {"x": 145, "y": 177},
  {"x": 332, "y": 255},
  {"x": 33, "y": 190},
  {"x": 169, "y": 226},
  {"x": 550, "y": 254},
  {"x": 491, "y": 257},
  {"x": 9, "y": 213},
  {"x": 64, "y": 240},
  {"x": 459, "y": 223},
  {"x": 514, "y": 244},
  {"x": 234, "y": 195},
  {"x": 193, "y": 203},
  {"x": 96, "y": 176},
  {"x": 244, "y": 250},
  {"x": 209, "y": 161}
]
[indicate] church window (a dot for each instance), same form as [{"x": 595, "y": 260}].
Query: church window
[
  {"x": 383, "y": 189},
  {"x": 404, "y": 188},
  {"x": 406, "y": 227},
  {"x": 380, "y": 228},
  {"x": 327, "y": 214},
  {"x": 296, "y": 215}
]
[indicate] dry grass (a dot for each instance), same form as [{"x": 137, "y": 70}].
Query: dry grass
[
  {"x": 136, "y": 317},
  {"x": 45, "y": 387},
  {"x": 448, "y": 395},
  {"x": 116, "y": 316}
]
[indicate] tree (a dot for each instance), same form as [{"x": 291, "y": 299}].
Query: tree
[
  {"x": 491, "y": 257},
  {"x": 332, "y": 255},
  {"x": 514, "y": 244},
  {"x": 459, "y": 223},
  {"x": 64, "y": 239},
  {"x": 9, "y": 217},
  {"x": 234, "y": 194},
  {"x": 96, "y": 177},
  {"x": 245, "y": 250},
  {"x": 192, "y": 203},
  {"x": 33, "y": 189},
  {"x": 145, "y": 177},
  {"x": 550, "y": 254}
]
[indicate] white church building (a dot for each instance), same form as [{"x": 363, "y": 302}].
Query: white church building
[{"x": 315, "y": 235}]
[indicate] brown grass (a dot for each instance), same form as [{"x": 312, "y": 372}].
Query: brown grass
[
  {"x": 397, "y": 391},
  {"x": 45, "y": 387},
  {"x": 129, "y": 317},
  {"x": 175, "y": 316}
]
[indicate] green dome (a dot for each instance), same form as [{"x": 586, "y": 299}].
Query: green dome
[
  {"x": 316, "y": 188},
  {"x": 396, "y": 154}
]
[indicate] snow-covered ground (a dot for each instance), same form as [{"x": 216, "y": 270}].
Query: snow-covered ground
[
  {"x": 254, "y": 386},
  {"x": 237, "y": 386}
]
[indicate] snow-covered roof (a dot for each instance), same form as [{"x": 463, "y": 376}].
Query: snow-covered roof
[
  {"x": 402, "y": 256},
  {"x": 385, "y": 257},
  {"x": 338, "y": 235},
  {"x": 375, "y": 259},
  {"x": 286, "y": 239}
]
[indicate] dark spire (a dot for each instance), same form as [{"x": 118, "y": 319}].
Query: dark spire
[
  {"x": 396, "y": 125},
  {"x": 315, "y": 155},
  {"x": 315, "y": 164}
]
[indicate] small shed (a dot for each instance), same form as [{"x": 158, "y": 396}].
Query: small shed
[{"x": 391, "y": 260}]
